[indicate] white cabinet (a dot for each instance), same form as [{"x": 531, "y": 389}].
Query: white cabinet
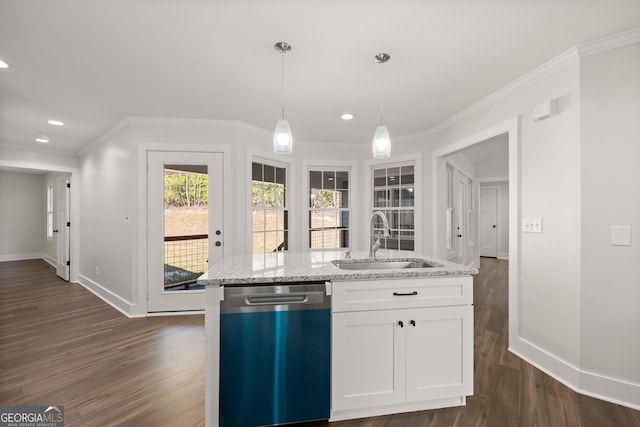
[{"x": 393, "y": 359}]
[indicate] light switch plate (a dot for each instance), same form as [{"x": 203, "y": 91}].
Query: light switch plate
[
  {"x": 532, "y": 225},
  {"x": 621, "y": 235}
]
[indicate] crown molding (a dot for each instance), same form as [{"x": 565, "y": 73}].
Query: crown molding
[
  {"x": 113, "y": 130},
  {"x": 613, "y": 41},
  {"x": 564, "y": 58},
  {"x": 593, "y": 47}
]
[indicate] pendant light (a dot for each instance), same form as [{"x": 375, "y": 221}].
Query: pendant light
[
  {"x": 282, "y": 139},
  {"x": 381, "y": 140}
]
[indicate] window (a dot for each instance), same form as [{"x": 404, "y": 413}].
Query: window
[
  {"x": 50, "y": 212},
  {"x": 329, "y": 211},
  {"x": 394, "y": 195},
  {"x": 268, "y": 202}
]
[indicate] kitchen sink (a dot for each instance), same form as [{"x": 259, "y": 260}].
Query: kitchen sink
[{"x": 381, "y": 264}]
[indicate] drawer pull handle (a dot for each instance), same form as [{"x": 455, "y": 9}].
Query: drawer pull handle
[
  {"x": 408, "y": 294},
  {"x": 401, "y": 323},
  {"x": 413, "y": 323}
]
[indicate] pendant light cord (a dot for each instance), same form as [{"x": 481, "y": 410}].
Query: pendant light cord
[
  {"x": 282, "y": 52},
  {"x": 381, "y": 94}
]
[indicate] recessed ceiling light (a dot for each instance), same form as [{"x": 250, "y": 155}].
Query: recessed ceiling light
[
  {"x": 42, "y": 140},
  {"x": 55, "y": 122},
  {"x": 347, "y": 116},
  {"x": 3, "y": 64}
]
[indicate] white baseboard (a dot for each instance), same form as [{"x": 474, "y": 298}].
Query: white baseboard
[
  {"x": 115, "y": 301},
  {"x": 587, "y": 383},
  {"x": 20, "y": 257},
  {"x": 50, "y": 260}
]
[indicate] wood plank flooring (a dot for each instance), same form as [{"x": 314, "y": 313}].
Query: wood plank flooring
[{"x": 60, "y": 344}]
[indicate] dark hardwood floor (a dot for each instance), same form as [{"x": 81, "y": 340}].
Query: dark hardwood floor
[{"x": 60, "y": 344}]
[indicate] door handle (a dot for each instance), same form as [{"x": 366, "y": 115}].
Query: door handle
[
  {"x": 413, "y": 323},
  {"x": 401, "y": 323},
  {"x": 459, "y": 235}
]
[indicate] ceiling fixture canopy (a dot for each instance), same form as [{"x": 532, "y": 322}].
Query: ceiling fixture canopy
[
  {"x": 381, "y": 139},
  {"x": 282, "y": 139}
]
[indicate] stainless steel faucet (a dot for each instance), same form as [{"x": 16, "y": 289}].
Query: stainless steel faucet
[{"x": 374, "y": 243}]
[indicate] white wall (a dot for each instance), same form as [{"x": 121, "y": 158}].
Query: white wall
[
  {"x": 610, "y": 297},
  {"x": 107, "y": 192},
  {"x": 549, "y": 170},
  {"x": 22, "y": 215},
  {"x": 114, "y": 186}
]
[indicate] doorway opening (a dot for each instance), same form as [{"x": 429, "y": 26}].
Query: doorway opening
[{"x": 508, "y": 131}]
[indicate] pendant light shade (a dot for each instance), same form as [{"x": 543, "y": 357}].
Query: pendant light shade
[
  {"x": 381, "y": 143},
  {"x": 282, "y": 138},
  {"x": 381, "y": 146}
]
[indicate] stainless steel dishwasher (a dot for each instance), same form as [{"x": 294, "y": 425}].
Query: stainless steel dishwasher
[{"x": 275, "y": 354}]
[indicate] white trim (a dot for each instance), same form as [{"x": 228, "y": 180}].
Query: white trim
[
  {"x": 593, "y": 47},
  {"x": 75, "y": 208},
  {"x": 115, "y": 301},
  {"x": 610, "y": 42},
  {"x": 416, "y": 159},
  {"x": 328, "y": 165},
  {"x": 493, "y": 179},
  {"x": 584, "y": 382},
  {"x": 140, "y": 279},
  {"x": 511, "y": 127},
  {"x": 22, "y": 257},
  {"x": 278, "y": 160},
  {"x": 508, "y": 90}
]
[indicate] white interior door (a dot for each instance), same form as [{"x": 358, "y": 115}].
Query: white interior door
[
  {"x": 488, "y": 222},
  {"x": 460, "y": 209},
  {"x": 185, "y": 226},
  {"x": 62, "y": 228}
]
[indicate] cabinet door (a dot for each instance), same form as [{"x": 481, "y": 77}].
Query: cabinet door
[
  {"x": 439, "y": 352},
  {"x": 368, "y": 353}
]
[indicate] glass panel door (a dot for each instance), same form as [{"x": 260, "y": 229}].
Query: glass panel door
[{"x": 185, "y": 227}]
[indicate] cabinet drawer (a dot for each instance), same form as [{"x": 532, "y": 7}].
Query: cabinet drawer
[{"x": 359, "y": 295}]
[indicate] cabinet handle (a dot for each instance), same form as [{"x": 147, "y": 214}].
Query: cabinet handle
[
  {"x": 408, "y": 294},
  {"x": 413, "y": 323},
  {"x": 401, "y": 323}
]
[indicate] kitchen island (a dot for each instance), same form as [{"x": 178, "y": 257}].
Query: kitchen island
[{"x": 412, "y": 322}]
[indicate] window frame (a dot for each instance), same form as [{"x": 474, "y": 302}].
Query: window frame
[
  {"x": 348, "y": 168},
  {"x": 264, "y": 160},
  {"x": 414, "y": 160}
]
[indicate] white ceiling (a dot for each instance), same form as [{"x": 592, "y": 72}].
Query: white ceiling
[{"x": 92, "y": 63}]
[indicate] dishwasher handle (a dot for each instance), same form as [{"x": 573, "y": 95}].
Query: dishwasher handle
[
  {"x": 250, "y": 299},
  {"x": 276, "y": 299}
]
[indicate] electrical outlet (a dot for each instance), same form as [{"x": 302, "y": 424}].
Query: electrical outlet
[{"x": 532, "y": 225}]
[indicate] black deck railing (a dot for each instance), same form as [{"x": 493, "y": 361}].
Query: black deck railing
[{"x": 185, "y": 259}]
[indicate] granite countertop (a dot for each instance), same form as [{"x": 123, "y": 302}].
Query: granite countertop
[{"x": 316, "y": 265}]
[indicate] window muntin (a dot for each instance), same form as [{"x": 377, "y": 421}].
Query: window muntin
[
  {"x": 269, "y": 211},
  {"x": 329, "y": 212},
  {"x": 394, "y": 194}
]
